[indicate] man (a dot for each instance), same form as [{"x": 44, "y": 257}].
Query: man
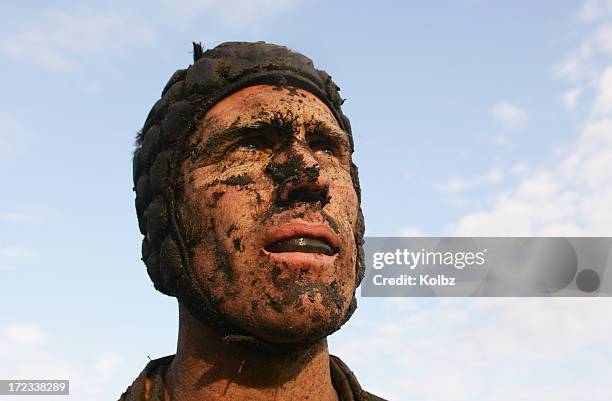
[{"x": 250, "y": 206}]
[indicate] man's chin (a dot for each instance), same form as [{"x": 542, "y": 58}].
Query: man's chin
[
  {"x": 299, "y": 326},
  {"x": 296, "y": 334},
  {"x": 294, "y": 326}
]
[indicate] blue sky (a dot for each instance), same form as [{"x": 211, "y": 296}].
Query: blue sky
[{"x": 470, "y": 118}]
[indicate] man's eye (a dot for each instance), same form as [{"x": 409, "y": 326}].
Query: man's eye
[
  {"x": 252, "y": 143},
  {"x": 323, "y": 147}
]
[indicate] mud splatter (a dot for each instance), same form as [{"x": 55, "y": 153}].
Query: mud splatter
[
  {"x": 231, "y": 230},
  {"x": 332, "y": 222},
  {"x": 216, "y": 196},
  {"x": 275, "y": 272},
  {"x": 274, "y": 304},
  {"x": 282, "y": 172},
  {"x": 235, "y": 180},
  {"x": 224, "y": 264},
  {"x": 243, "y": 179}
]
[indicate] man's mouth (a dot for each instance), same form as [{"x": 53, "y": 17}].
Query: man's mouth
[
  {"x": 302, "y": 244},
  {"x": 303, "y": 237}
]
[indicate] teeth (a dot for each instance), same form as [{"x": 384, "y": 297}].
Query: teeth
[{"x": 302, "y": 244}]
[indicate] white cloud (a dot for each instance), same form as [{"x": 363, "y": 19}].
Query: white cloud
[
  {"x": 15, "y": 252},
  {"x": 65, "y": 39},
  {"x": 570, "y": 98},
  {"x": 444, "y": 350},
  {"x": 519, "y": 168},
  {"x": 11, "y": 256},
  {"x": 500, "y": 140},
  {"x": 570, "y": 194},
  {"x": 564, "y": 199},
  {"x": 575, "y": 67},
  {"x": 493, "y": 177},
  {"x": 20, "y": 217},
  {"x": 603, "y": 102},
  {"x": 509, "y": 115},
  {"x": 109, "y": 361},
  {"x": 593, "y": 10},
  {"x": 602, "y": 38},
  {"x": 585, "y": 63},
  {"x": 27, "y": 352},
  {"x": 22, "y": 334}
]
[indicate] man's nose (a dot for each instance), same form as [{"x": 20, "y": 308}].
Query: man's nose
[{"x": 298, "y": 176}]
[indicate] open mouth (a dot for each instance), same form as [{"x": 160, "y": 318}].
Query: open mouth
[
  {"x": 298, "y": 237},
  {"x": 302, "y": 244}
]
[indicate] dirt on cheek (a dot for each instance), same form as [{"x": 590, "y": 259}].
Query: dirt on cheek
[
  {"x": 222, "y": 262},
  {"x": 274, "y": 303},
  {"x": 235, "y": 180},
  {"x": 241, "y": 180}
]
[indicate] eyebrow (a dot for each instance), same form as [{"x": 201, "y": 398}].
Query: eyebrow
[
  {"x": 335, "y": 132},
  {"x": 207, "y": 149},
  {"x": 230, "y": 134}
]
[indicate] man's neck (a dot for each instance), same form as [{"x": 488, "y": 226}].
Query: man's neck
[{"x": 207, "y": 368}]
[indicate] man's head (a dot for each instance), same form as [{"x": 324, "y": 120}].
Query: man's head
[{"x": 248, "y": 196}]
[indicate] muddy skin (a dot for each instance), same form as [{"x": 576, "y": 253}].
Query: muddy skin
[
  {"x": 275, "y": 209},
  {"x": 230, "y": 230},
  {"x": 240, "y": 180},
  {"x": 292, "y": 172},
  {"x": 247, "y": 342},
  {"x": 292, "y": 291},
  {"x": 258, "y": 198},
  {"x": 224, "y": 263},
  {"x": 289, "y": 170},
  {"x": 288, "y": 187},
  {"x": 332, "y": 223},
  {"x": 217, "y": 195},
  {"x": 275, "y": 272},
  {"x": 275, "y": 304},
  {"x": 212, "y": 150},
  {"x": 237, "y": 180},
  {"x": 249, "y": 361},
  {"x": 294, "y": 169},
  {"x": 192, "y": 231},
  {"x": 244, "y": 367}
]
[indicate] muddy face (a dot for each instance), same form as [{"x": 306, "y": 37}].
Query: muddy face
[{"x": 268, "y": 212}]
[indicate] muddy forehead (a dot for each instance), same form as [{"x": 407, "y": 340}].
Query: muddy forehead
[{"x": 260, "y": 104}]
